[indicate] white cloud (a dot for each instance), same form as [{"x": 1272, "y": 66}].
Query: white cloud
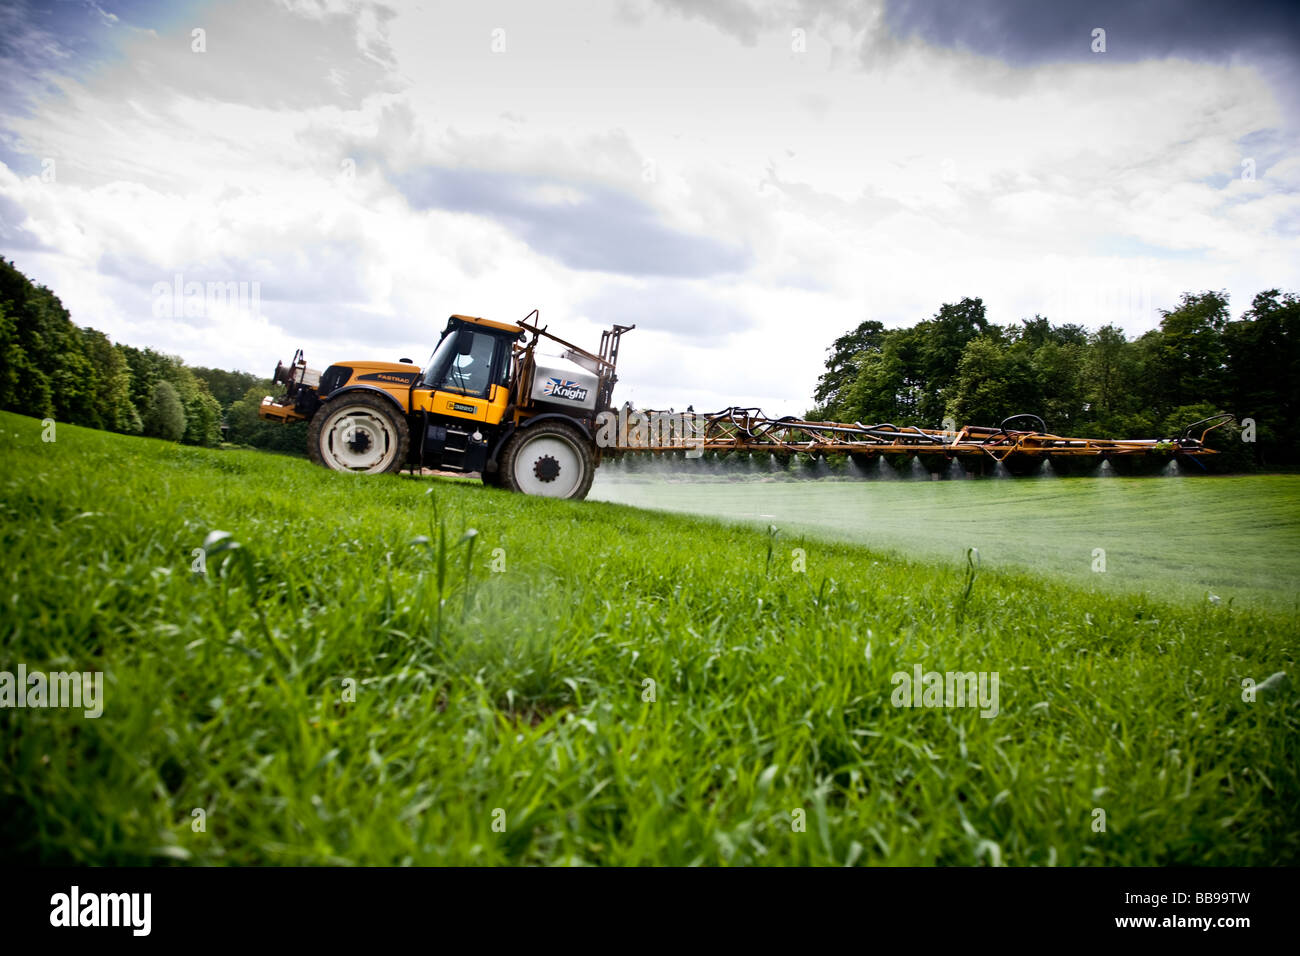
[{"x": 627, "y": 163}]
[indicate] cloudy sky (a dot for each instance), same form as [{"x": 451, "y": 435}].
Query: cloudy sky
[{"x": 742, "y": 180}]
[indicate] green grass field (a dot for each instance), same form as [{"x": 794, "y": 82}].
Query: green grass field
[
  {"x": 501, "y": 709},
  {"x": 1178, "y": 539}
]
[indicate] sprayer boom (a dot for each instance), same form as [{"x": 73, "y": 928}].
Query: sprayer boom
[{"x": 748, "y": 429}]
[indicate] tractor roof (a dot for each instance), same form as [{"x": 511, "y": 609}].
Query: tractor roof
[{"x": 489, "y": 323}]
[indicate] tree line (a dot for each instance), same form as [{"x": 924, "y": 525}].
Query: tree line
[
  {"x": 957, "y": 366},
  {"x": 51, "y": 368}
]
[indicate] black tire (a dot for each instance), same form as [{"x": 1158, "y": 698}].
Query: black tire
[
  {"x": 380, "y": 438},
  {"x": 552, "y": 459}
]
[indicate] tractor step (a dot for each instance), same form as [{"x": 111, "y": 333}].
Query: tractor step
[{"x": 454, "y": 448}]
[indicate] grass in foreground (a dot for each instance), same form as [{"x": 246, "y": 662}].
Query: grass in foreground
[{"x": 517, "y": 696}]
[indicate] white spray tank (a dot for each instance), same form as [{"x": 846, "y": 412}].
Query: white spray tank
[{"x": 562, "y": 382}]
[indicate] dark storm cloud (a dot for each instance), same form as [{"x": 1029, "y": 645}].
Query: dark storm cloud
[
  {"x": 597, "y": 228},
  {"x": 1034, "y": 31}
]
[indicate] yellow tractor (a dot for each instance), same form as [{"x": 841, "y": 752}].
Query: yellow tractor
[{"x": 486, "y": 402}]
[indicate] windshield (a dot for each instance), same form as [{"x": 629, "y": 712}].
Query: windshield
[
  {"x": 441, "y": 356},
  {"x": 462, "y": 362}
]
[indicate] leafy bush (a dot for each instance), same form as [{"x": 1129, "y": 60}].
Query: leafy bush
[{"x": 164, "y": 416}]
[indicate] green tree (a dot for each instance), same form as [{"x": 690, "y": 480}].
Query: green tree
[
  {"x": 1263, "y": 365},
  {"x": 202, "y": 420},
  {"x": 938, "y": 350},
  {"x": 1038, "y": 331},
  {"x": 992, "y": 383},
  {"x": 23, "y": 387},
  {"x": 847, "y": 352},
  {"x": 1108, "y": 365},
  {"x": 164, "y": 415},
  {"x": 228, "y": 387},
  {"x": 43, "y": 352},
  {"x": 887, "y": 387},
  {"x": 1186, "y": 361},
  {"x": 110, "y": 385},
  {"x": 148, "y": 368},
  {"x": 202, "y": 411},
  {"x": 1058, "y": 382}
]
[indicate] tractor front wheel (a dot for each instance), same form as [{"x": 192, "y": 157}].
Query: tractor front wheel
[
  {"x": 361, "y": 434},
  {"x": 552, "y": 459}
]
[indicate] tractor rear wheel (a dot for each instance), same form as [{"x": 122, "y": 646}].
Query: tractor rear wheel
[
  {"x": 361, "y": 434},
  {"x": 552, "y": 459}
]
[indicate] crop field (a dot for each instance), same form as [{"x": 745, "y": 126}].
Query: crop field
[
  {"x": 304, "y": 667},
  {"x": 1180, "y": 538}
]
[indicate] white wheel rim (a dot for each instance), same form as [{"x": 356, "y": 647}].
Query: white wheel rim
[
  {"x": 357, "y": 439},
  {"x": 545, "y": 456}
]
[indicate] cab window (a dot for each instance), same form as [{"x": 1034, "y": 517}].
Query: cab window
[{"x": 462, "y": 363}]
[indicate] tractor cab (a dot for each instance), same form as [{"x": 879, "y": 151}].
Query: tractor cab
[{"x": 468, "y": 375}]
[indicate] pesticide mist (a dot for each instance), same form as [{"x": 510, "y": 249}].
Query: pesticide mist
[{"x": 1193, "y": 538}]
